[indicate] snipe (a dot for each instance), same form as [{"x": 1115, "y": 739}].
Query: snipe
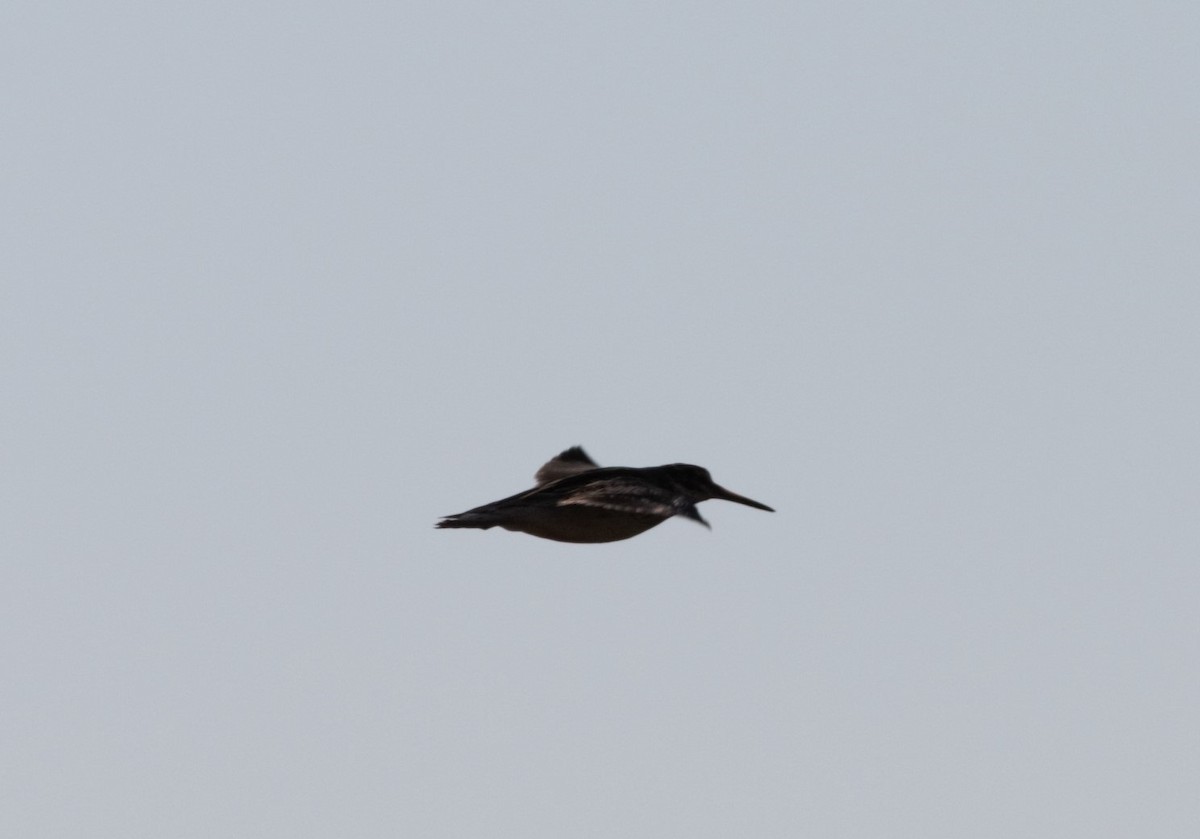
[{"x": 577, "y": 501}]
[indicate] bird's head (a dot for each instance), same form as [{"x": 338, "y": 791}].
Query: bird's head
[{"x": 696, "y": 482}]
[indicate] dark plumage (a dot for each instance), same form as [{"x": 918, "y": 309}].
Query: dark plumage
[{"x": 577, "y": 501}]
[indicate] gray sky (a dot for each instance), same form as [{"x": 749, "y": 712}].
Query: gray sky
[{"x": 283, "y": 283}]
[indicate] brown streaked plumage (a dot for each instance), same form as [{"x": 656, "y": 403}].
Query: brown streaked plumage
[{"x": 577, "y": 501}]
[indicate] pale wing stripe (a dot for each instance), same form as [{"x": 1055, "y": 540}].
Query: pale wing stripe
[{"x": 623, "y": 496}]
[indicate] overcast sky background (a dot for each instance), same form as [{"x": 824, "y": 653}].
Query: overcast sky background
[{"x": 284, "y": 282}]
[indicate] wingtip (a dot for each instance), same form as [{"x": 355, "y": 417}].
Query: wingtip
[
  {"x": 569, "y": 462},
  {"x": 692, "y": 513},
  {"x": 575, "y": 454}
]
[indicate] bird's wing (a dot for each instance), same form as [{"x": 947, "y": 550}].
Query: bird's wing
[
  {"x": 571, "y": 462},
  {"x": 623, "y": 495}
]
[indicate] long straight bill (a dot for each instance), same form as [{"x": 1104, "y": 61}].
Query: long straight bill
[{"x": 726, "y": 495}]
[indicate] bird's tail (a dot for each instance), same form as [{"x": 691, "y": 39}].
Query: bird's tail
[{"x": 480, "y": 521}]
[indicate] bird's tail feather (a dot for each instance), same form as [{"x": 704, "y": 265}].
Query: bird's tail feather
[{"x": 479, "y": 521}]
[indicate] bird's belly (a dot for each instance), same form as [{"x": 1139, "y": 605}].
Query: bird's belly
[{"x": 580, "y": 524}]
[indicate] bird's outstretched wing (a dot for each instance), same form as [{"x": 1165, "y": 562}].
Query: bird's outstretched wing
[
  {"x": 623, "y": 495},
  {"x": 571, "y": 462}
]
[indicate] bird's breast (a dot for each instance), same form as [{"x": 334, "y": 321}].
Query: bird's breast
[{"x": 573, "y": 523}]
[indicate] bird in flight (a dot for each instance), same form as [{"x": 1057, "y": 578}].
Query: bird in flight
[{"x": 576, "y": 500}]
